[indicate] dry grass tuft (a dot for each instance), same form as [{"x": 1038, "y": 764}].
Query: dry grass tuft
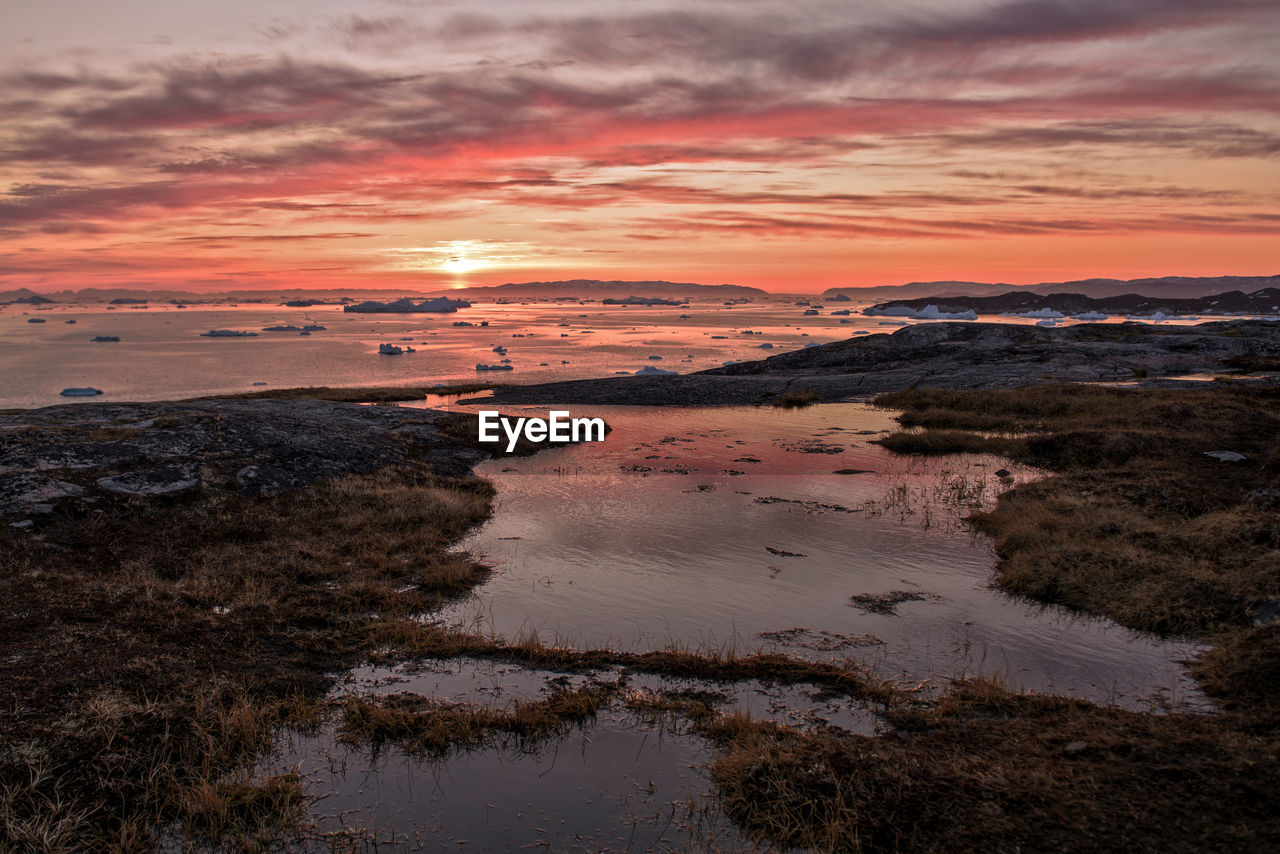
[
  {"x": 427, "y": 726},
  {"x": 151, "y": 657},
  {"x": 987, "y": 770},
  {"x": 795, "y": 399}
]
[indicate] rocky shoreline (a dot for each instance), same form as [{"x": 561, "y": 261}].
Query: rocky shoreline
[
  {"x": 89, "y": 453},
  {"x": 949, "y": 355}
]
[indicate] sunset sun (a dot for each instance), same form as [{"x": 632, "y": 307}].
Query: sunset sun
[{"x": 462, "y": 265}]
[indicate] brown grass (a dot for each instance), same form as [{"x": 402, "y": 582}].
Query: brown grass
[
  {"x": 151, "y": 657},
  {"x": 986, "y": 770},
  {"x": 1138, "y": 523},
  {"x": 423, "y": 725},
  {"x": 795, "y": 399},
  {"x": 401, "y": 639}
]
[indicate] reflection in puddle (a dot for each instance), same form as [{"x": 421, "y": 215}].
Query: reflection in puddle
[
  {"x": 621, "y": 783},
  {"x": 727, "y": 527}
]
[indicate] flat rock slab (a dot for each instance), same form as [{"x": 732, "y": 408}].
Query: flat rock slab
[
  {"x": 944, "y": 355},
  {"x": 149, "y": 483},
  {"x": 255, "y": 447}
]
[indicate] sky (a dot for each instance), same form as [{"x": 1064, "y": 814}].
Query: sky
[{"x": 793, "y": 146}]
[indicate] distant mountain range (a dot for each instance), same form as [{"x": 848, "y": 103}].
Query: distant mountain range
[
  {"x": 580, "y": 288},
  {"x": 597, "y": 289},
  {"x": 1165, "y": 287},
  {"x": 1261, "y": 301}
]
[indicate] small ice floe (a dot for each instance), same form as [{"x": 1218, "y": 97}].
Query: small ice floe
[
  {"x": 844, "y": 312},
  {"x": 102, "y": 339},
  {"x": 1226, "y": 456},
  {"x": 653, "y": 370},
  {"x": 228, "y": 333},
  {"x": 655, "y": 358},
  {"x": 1090, "y": 315},
  {"x": 72, "y": 320},
  {"x": 932, "y": 312},
  {"x": 809, "y": 312},
  {"x": 812, "y": 344},
  {"x": 35, "y": 320},
  {"x": 1047, "y": 322},
  {"x": 766, "y": 346},
  {"x": 389, "y": 350},
  {"x": 259, "y": 383},
  {"x": 1047, "y": 313},
  {"x": 1156, "y": 317},
  {"x": 480, "y": 367},
  {"x": 80, "y": 392},
  {"x": 929, "y": 312}
]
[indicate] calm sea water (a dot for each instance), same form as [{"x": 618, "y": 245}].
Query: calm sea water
[{"x": 162, "y": 356}]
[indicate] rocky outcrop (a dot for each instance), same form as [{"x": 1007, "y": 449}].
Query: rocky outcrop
[
  {"x": 1265, "y": 301},
  {"x": 435, "y": 305},
  {"x": 88, "y": 453},
  {"x": 937, "y": 355}
]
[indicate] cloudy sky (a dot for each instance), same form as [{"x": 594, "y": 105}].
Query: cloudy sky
[{"x": 788, "y": 145}]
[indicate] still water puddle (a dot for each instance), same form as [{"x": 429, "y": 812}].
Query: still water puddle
[
  {"x": 729, "y": 528},
  {"x": 621, "y": 783}
]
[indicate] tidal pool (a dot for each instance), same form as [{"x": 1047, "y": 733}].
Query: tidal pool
[
  {"x": 725, "y": 527},
  {"x": 709, "y": 529}
]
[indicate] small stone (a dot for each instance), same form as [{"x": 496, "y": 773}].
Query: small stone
[
  {"x": 167, "y": 480},
  {"x": 1003, "y": 473},
  {"x": 1076, "y": 747},
  {"x": 1267, "y": 613},
  {"x": 24, "y": 525}
]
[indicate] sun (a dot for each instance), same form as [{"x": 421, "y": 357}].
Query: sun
[{"x": 461, "y": 264}]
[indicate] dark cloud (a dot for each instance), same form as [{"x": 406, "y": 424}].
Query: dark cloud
[
  {"x": 1067, "y": 20},
  {"x": 775, "y": 89}
]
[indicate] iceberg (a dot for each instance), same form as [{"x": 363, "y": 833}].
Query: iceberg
[
  {"x": 932, "y": 312},
  {"x": 1047, "y": 313},
  {"x": 929, "y": 312},
  {"x": 1090, "y": 315},
  {"x": 389, "y": 350}
]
